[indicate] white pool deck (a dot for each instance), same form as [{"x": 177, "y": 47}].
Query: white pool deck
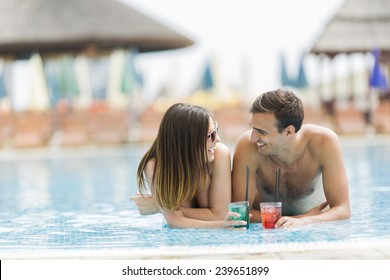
[{"x": 350, "y": 253}]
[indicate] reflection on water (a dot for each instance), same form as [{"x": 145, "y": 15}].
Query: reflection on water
[
  {"x": 64, "y": 200},
  {"x": 67, "y": 183}
]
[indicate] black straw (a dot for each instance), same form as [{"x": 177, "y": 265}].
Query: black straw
[
  {"x": 277, "y": 185},
  {"x": 247, "y": 183}
]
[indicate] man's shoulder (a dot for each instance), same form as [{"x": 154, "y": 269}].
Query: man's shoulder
[
  {"x": 318, "y": 137},
  {"x": 245, "y": 152},
  {"x": 244, "y": 143},
  {"x": 244, "y": 140},
  {"x": 313, "y": 131},
  {"x": 245, "y": 136}
]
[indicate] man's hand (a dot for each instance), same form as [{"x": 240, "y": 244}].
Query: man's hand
[
  {"x": 145, "y": 204},
  {"x": 287, "y": 222}
]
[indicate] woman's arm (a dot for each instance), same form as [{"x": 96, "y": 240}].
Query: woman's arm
[
  {"x": 213, "y": 203},
  {"x": 219, "y": 196},
  {"x": 176, "y": 219},
  {"x": 215, "y": 198},
  {"x": 145, "y": 203}
]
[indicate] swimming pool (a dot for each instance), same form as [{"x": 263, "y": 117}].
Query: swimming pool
[{"x": 74, "y": 203}]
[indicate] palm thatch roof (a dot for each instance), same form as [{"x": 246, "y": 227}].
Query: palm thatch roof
[
  {"x": 57, "y": 26},
  {"x": 358, "y": 26}
]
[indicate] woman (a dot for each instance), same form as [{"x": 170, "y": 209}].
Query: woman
[{"x": 188, "y": 170}]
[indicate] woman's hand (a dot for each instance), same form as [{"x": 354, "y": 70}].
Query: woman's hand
[
  {"x": 145, "y": 204},
  {"x": 229, "y": 224}
]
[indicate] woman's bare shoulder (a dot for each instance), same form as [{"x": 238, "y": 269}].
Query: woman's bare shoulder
[
  {"x": 149, "y": 167},
  {"x": 222, "y": 148}
]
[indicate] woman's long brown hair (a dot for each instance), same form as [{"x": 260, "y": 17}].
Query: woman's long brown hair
[{"x": 180, "y": 155}]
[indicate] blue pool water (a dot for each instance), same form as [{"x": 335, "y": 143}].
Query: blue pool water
[{"x": 74, "y": 202}]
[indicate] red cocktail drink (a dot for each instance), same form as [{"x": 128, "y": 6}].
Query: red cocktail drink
[{"x": 270, "y": 213}]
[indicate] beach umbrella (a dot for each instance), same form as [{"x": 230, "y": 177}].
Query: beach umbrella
[
  {"x": 73, "y": 26},
  {"x": 377, "y": 77},
  {"x": 125, "y": 81},
  {"x": 284, "y": 77},
  {"x": 131, "y": 78},
  {"x": 40, "y": 100},
  {"x": 357, "y": 27},
  {"x": 300, "y": 81},
  {"x": 54, "y": 28},
  {"x": 68, "y": 86},
  {"x": 51, "y": 70},
  {"x": 5, "y": 74},
  {"x": 98, "y": 68},
  {"x": 3, "y": 92},
  {"x": 207, "y": 82}
]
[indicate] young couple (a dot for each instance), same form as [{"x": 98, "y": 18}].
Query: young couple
[{"x": 188, "y": 170}]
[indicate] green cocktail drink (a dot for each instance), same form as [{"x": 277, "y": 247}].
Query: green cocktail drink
[{"x": 242, "y": 208}]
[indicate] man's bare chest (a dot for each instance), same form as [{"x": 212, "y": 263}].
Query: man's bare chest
[{"x": 295, "y": 183}]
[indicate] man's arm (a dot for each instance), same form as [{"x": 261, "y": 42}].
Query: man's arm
[
  {"x": 245, "y": 155},
  {"x": 334, "y": 176}
]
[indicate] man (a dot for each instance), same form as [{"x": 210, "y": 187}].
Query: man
[{"x": 313, "y": 179}]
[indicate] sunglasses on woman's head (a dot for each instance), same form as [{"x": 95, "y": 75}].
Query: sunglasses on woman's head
[{"x": 213, "y": 134}]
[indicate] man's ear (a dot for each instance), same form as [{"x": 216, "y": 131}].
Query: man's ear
[{"x": 290, "y": 130}]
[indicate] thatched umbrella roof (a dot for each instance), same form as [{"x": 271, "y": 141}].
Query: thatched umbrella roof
[
  {"x": 359, "y": 26},
  {"x": 57, "y": 26}
]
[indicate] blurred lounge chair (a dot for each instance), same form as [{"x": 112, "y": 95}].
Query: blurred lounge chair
[
  {"x": 31, "y": 129},
  {"x": 74, "y": 128},
  {"x": 148, "y": 124},
  {"x": 111, "y": 127},
  {"x": 232, "y": 122},
  {"x": 5, "y": 128},
  {"x": 350, "y": 120},
  {"x": 382, "y": 117},
  {"x": 315, "y": 115}
]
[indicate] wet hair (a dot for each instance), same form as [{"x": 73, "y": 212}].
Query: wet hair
[
  {"x": 284, "y": 104},
  {"x": 180, "y": 155}
]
